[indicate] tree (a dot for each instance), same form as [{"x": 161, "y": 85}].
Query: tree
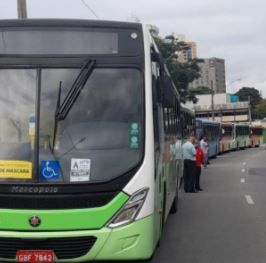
[
  {"x": 182, "y": 73},
  {"x": 261, "y": 109},
  {"x": 246, "y": 93}
]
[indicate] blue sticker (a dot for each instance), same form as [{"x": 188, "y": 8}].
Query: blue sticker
[{"x": 50, "y": 170}]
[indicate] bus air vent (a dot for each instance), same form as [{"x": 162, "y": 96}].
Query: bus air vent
[{"x": 64, "y": 248}]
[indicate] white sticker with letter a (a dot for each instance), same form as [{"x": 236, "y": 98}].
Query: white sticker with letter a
[{"x": 80, "y": 170}]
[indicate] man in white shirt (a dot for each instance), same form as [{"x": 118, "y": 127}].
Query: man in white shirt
[{"x": 189, "y": 153}]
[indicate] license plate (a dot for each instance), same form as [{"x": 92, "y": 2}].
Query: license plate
[{"x": 35, "y": 256}]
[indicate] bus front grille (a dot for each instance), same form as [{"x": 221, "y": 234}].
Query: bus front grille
[
  {"x": 64, "y": 248},
  {"x": 66, "y": 201}
]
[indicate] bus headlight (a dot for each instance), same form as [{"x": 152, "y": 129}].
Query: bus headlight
[{"x": 130, "y": 210}]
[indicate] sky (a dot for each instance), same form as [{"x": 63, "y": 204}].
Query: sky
[{"x": 232, "y": 30}]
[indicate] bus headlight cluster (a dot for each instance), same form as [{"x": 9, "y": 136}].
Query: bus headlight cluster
[{"x": 130, "y": 210}]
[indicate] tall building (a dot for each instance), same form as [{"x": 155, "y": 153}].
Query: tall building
[
  {"x": 212, "y": 72},
  {"x": 193, "y": 48},
  {"x": 189, "y": 51}
]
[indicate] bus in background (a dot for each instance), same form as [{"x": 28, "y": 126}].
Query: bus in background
[
  {"x": 212, "y": 131},
  {"x": 227, "y": 137},
  {"x": 264, "y": 136},
  {"x": 256, "y": 135},
  {"x": 188, "y": 126},
  {"x": 242, "y": 134},
  {"x": 86, "y": 128},
  {"x": 188, "y": 121}
]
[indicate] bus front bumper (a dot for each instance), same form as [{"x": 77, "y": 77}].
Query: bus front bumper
[{"x": 133, "y": 241}]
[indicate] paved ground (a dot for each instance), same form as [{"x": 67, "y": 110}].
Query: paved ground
[{"x": 226, "y": 223}]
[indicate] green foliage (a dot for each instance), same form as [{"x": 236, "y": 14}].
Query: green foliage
[
  {"x": 201, "y": 90},
  {"x": 182, "y": 73},
  {"x": 249, "y": 92},
  {"x": 261, "y": 109}
]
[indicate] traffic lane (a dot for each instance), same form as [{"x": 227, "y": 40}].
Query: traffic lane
[
  {"x": 216, "y": 225},
  {"x": 255, "y": 183},
  {"x": 209, "y": 226}
]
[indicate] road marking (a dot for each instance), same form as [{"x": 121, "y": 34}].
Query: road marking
[
  {"x": 242, "y": 180},
  {"x": 249, "y": 200},
  {"x": 243, "y": 170}
]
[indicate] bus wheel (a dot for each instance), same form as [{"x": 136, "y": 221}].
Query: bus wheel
[
  {"x": 162, "y": 216},
  {"x": 174, "y": 207},
  {"x": 215, "y": 155}
]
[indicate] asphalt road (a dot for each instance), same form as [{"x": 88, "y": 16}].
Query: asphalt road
[{"x": 225, "y": 223}]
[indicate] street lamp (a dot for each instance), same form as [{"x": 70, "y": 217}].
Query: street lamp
[
  {"x": 230, "y": 83},
  {"x": 212, "y": 100},
  {"x": 233, "y": 81}
]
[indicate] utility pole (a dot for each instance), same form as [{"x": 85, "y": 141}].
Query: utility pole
[
  {"x": 249, "y": 110},
  {"x": 22, "y": 9},
  {"x": 212, "y": 100}
]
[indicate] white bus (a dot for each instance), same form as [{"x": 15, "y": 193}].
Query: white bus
[{"x": 89, "y": 117}]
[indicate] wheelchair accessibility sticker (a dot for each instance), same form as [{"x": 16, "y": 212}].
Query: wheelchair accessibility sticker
[{"x": 50, "y": 170}]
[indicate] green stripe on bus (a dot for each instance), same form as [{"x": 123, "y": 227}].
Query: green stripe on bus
[{"x": 58, "y": 220}]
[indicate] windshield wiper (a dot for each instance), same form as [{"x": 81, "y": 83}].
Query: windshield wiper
[
  {"x": 63, "y": 109},
  {"x": 75, "y": 90},
  {"x": 55, "y": 120}
]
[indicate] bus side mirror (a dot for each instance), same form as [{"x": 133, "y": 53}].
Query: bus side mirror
[{"x": 155, "y": 57}]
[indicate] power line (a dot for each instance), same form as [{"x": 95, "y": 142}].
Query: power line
[{"x": 91, "y": 10}]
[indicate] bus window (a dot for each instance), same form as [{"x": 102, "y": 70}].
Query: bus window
[{"x": 107, "y": 115}]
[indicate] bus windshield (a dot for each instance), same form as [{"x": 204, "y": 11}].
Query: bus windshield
[
  {"x": 228, "y": 130},
  {"x": 99, "y": 139},
  {"x": 17, "y": 116}
]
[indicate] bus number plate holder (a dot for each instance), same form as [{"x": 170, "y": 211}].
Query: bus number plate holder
[{"x": 34, "y": 256}]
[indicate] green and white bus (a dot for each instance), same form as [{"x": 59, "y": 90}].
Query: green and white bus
[
  {"x": 242, "y": 135},
  {"x": 88, "y": 117}
]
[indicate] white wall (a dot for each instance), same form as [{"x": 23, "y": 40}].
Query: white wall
[{"x": 220, "y": 98}]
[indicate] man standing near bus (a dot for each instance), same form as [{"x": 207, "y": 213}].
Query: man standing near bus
[{"x": 189, "y": 153}]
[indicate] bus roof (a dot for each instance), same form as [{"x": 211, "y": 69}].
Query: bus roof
[
  {"x": 208, "y": 121},
  {"x": 227, "y": 124},
  {"x": 243, "y": 124},
  {"x": 256, "y": 126},
  {"x": 67, "y": 23}
]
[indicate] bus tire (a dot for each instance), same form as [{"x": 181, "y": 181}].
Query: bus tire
[
  {"x": 164, "y": 208},
  {"x": 216, "y": 152},
  {"x": 147, "y": 260},
  {"x": 152, "y": 255},
  {"x": 174, "y": 206}
]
